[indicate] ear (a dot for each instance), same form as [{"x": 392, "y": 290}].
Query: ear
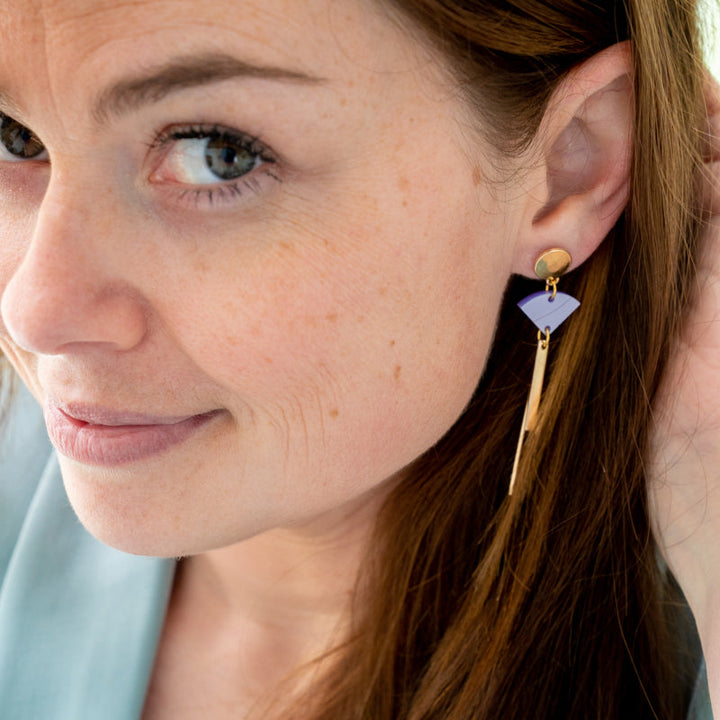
[{"x": 580, "y": 186}]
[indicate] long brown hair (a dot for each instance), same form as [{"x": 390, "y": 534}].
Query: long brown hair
[{"x": 552, "y": 603}]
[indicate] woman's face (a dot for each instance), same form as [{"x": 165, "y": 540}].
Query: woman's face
[{"x": 249, "y": 257}]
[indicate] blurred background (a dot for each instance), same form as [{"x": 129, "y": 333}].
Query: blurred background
[{"x": 711, "y": 23}]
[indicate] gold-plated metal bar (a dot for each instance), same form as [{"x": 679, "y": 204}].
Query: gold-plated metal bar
[
  {"x": 529, "y": 422},
  {"x": 536, "y": 386}
]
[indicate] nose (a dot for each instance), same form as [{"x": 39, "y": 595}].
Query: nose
[{"x": 72, "y": 291}]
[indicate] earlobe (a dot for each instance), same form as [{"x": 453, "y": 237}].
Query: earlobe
[{"x": 584, "y": 144}]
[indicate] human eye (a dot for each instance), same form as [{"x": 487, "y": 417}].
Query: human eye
[
  {"x": 212, "y": 163},
  {"x": 18, "y": 143}
]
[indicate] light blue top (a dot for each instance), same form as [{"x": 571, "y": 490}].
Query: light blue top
[
  {"x": 700, "y": 708},
  {"x": 79, "y": 621}
]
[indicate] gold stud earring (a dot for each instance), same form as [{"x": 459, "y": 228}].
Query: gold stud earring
[{"x": 548, "y": 309}]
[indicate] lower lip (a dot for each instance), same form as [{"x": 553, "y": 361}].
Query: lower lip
[{"x": 111, "y": 445}]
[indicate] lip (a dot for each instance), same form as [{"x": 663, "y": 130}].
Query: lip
[{"x": 100, "y": 436}]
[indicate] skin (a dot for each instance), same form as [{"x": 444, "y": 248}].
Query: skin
[
  {"x": 337, "y": 314},
  {"x": 300, "y": 310},
  {"x": 684, "y": 488}
]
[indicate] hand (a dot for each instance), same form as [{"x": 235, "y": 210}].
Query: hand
[{"x": 684, "y": 485}]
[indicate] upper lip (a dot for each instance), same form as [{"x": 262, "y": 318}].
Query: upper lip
[{"x": 98, "y": 415}]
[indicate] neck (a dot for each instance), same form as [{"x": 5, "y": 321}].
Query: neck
[
  {"x": 274, "y": 603},
  {"x": 290, "y": 578}
]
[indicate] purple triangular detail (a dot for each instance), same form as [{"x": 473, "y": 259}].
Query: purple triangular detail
[{"x": 547, "y": 313}]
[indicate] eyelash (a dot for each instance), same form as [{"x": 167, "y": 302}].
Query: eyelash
[
  {"x": 212, "y": 194},
  {"x": 228, "y": 190}
]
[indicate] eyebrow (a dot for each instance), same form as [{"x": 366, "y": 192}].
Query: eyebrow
[{"x": 182, "y": 73}]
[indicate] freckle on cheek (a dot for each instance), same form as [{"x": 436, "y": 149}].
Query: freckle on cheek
[
  {"x": 392, "y": 343},
  {"x": 334, "y": 413},
  {"x": 476, "y": 176},
  {"x": 332, "y": 317},
  {"x": 398, "y": 370}
]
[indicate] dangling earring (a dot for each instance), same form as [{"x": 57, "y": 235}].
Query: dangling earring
[{"x": 548, "y": 309}]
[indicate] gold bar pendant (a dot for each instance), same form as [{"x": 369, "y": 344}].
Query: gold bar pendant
[{"x": 529, "y": 422}]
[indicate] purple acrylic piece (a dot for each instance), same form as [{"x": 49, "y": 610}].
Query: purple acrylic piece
[{"x": 547, "y": 313}]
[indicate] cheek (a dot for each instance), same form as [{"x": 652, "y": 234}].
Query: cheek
[
  {"x": 381, "y": 335},
  {"x": 11, "y": 254},
  {"x": 13, "y": 233},
  {"x": 21, "y": 190}
]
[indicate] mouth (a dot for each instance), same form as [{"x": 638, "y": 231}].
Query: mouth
[{"x": 101, "y": 436}]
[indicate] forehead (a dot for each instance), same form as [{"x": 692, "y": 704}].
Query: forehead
[
  {"x": 50, "y": 46},
  {"x": 84, "y": 26}
]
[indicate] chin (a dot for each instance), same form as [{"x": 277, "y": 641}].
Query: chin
[
  {"x": 144, "y": 514},
  {"x": 122, "y": 513},
  {"x": 129, "y": 529}
]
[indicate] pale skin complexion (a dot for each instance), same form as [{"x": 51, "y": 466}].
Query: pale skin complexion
[
  {"x": 333, "y": 308},
  {"x": 685, "y": 489}
]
